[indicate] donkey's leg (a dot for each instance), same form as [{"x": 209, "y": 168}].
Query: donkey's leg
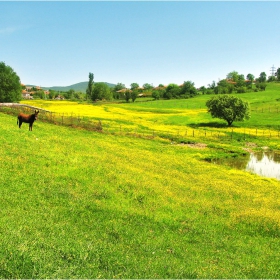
[
  {"x": 31, "y": 125},
  {"x": 20, "y": 123}
]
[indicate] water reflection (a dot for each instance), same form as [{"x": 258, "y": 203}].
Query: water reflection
[{"x": 266, "y": 164}]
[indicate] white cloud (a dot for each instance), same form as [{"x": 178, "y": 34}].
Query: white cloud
[
  {"x": 12, "y": 29},
  {"x": 8, "y": 30}
]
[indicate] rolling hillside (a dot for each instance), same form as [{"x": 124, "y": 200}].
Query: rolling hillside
[
  {"x": 76, "y": 203},
  {"x": 82, "y": 86}
]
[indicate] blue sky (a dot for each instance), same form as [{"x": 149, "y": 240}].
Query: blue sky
[{"x": 59, "y": 43}]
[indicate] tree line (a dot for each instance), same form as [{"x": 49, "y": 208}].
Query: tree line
[
  {"x": 233, "y": 83},
  {"x": 236, "y": 83},
  {"x": 101, "y": 91},
  {"x": 11, "y": 89}
]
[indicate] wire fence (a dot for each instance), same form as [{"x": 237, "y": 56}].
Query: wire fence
[
  {"x": 270, "y": 109},
  {"x": 180, "y": 135},
  {"x": 51, "y": 117}
]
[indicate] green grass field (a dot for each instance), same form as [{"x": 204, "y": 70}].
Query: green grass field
[
  {"x": 180, "y": 112},
  {"x": 83, "y": 204}
]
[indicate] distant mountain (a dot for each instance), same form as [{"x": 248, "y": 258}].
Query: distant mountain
[{"x": 77, "y": 87}]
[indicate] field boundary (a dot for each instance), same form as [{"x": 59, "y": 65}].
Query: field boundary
[
  {"x": 23, "y": 106},
  {"x": 183, "y": 135}
]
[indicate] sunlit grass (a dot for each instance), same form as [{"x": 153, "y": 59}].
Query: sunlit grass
[
  {"x": 81, "y": 204},
  {"x": 173, "y": 114},
  {"x": 180, "y": 120},
  {"x": 106, "y": 206}
]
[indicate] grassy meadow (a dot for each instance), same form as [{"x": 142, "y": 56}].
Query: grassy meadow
[
  {"x": 183, "y": 120},
  {"x": 83, "y": 204}
]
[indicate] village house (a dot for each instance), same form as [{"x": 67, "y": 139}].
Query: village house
[{"x": 28, "y": 92}]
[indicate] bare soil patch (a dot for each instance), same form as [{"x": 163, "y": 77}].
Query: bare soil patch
[
  {"x": 250, "y": 146},
  {"x": 194, "y": 145}
]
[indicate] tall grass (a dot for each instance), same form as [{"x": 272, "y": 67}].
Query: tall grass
[{"x": 81, "y": 204}]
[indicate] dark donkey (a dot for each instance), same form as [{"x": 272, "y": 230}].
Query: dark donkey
[{"x": 27, "y": 119}]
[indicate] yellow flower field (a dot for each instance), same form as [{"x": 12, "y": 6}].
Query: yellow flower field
[
  {"x": 114, "y": 206},
  {"x": 155, "y": 119}
]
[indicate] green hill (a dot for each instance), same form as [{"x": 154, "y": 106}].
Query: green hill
[{"x": 82, "y": 86}]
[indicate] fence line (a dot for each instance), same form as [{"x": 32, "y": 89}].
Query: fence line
[
  {"x": 267, "y": 110},
  {"x": 181, "y": 135},
  {"x": 18, "y": 105}
]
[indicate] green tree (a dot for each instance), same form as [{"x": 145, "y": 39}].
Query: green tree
[
  {"x": 147, "y": 86},
  {"x": 260, "y": 86},
  {"x": 156, "y": 94},
  {"x": 172, "y": 91},
  {"x": 52, "y": 94},
  {"x": 250, "y": 77},
  {"x": 203, "y": 89},
  {"x": 134, "y": 95},
  {"x": 262, "y": 78},
  {"x": 229, "y": 108},
  {"x": 79, "y": 95},
  {"x": 189, "y": 89},
  {"x": 240, "y": 81},
  {"x": 233, "y": 76},
  {"x": 127, "y": 95},
  {"x": 261, "y": 81},
  {"x": 101, "y": 91},
  {"x": 90, "y": 86},
  {"x": 240, "y": 84},
  {"x": 271, "y": 79},
  {"x": 117, "y": 87},
  {"x": 278, "y": 74},
  {"x": 10, "y": 86},
  {"x": 69, "y": 94},
  {"x": 134, "y": 86},
  {"x": 223, "y": 87},
  {"x": 212, "y": 86}
]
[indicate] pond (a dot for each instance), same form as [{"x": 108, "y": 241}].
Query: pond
[{"x": 266, "y": 163}]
